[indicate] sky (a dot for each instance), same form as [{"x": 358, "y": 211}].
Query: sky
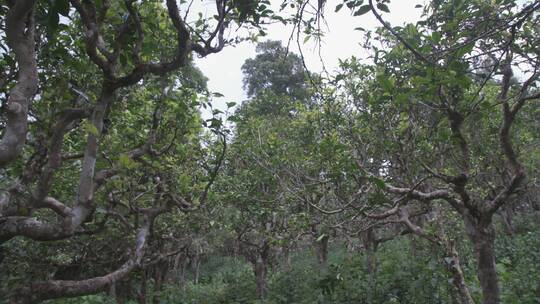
[{"x": 341, "y": 40}]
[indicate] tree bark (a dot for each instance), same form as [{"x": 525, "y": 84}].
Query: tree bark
[
  {"x": 20, "y": 38},
  {"x": 370, "y": 246},
  {"x": 43, "y": 231},
  {"x": 117, "y": 292},
  {"x": 321, "y": 249},
  {"x": 287, "y": 258},
  {"x": 507, "y": 215},
  {"x": 458, "y": 279},
  {"x": 159, "y": 274},
  {"x": 141, "y": 294},
  {"x": 482, "y": 234},
  {"x": 196, "y": 267},
  {"x": 182, "y": 278},
  {"x": 54, "y": 289},
  {"x": 259, "y": 268}
]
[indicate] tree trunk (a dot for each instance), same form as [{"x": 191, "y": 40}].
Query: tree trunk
[
  {"x": 20, "y": 35},
  {"x": 259, "y": 268},
  {"x": 482, "y": 235},
  {"x": 287, "y": 258},
  {"x": 120, "y": 299},
  {"x": 453, "y": 294},
  {"x": 414, "y": 245},
  {"x": 370, "y": 247},
  {"x": 507, "y": 215},
  {"x": 458, "y": 279},
  {"x": 141, "y": 294},
  {"x": 182, "y": 279},
  {"x": 179, "y": 268},
  {"x": 321, "y": 249},
  {"x": 115, "y": 291},
  {"x": 159, "y": 274},
  {"x": 196, "y": 268}
]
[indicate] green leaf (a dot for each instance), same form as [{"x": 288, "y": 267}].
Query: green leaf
[
  {"x": 62, "y": 7},
  {"x": 126, "y": 162},
  {"x": 124, "y": 59},
  {"x": 338, "y": 7},
  {"x": 215, "y": 123},
  {"x": 465, "y": 49},
  {"x": 99, "y": 4},
  {"x": 231, "y": 104},
  {"x": 89, "y": 128},
  {"x": 386, "y": 83},
  {"x": 306, "y": 39},
  {"x": 378, "y": 182},
  {"x": 436, "y": 37},
  {"x": 401, "y": 99},
  {"x": 362, "y": 10},
  {"x": 9, "y": 60},
  {"x": 383, "y": 7}
]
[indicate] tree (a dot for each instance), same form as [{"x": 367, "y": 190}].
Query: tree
[
  {"x": 66, "y": 151},
  {"x": 442, "y": 87},
  {"x": 263, "y": 212},
  {"x": 277, "y": 70}
]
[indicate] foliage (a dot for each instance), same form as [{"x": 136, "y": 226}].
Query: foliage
[
  {"x": 401, "y": 277},
  {"x": 406, "y": 176}
]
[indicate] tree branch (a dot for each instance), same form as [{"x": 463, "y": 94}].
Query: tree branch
[{"x": 20, "y": 38}]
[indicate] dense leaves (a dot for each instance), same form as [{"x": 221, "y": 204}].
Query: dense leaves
[{"x": 410, "y": 175}]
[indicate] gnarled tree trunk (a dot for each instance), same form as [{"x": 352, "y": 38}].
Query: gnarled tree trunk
[
  {"x": 20, "y": 38},
  {"x": 482, "y": 234},
  {"x": 458, "y": 279},
  {"x": 54, "y": 289}
]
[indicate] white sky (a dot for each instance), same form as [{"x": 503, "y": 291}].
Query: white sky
[{"x": 340, "y": 41}]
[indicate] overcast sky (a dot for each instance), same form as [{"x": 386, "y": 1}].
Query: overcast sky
[{"x": 341, "y": 41}]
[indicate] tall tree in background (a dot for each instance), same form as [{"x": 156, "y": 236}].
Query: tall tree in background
[
  {"x": 275, "y": 80},
  {"x": 256, "y": 188}
]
